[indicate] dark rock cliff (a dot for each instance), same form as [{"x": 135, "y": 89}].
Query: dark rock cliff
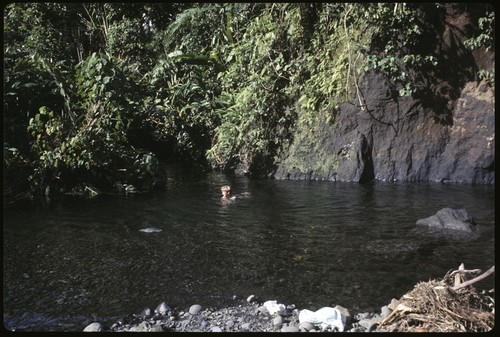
[{"x": 449, "y": 137}]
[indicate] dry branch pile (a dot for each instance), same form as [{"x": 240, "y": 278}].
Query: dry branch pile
[{"x": 443, "y": 306}]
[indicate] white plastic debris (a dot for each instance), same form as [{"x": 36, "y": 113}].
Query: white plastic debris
[
  {"x": 274, "y": 308},
  {"x": 326, "y": 317}
]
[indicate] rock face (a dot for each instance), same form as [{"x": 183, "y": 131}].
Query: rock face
[
  {"x": 469, "y": 156},
  {"x": 446, "y": 136},
  {"x": 450, "y": 219},
  {"x": 407, "y": 142}
]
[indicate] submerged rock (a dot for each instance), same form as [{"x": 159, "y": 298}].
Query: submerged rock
[
  {"x": 450, "y": 219},
  {"x": 150, "y": 230}
]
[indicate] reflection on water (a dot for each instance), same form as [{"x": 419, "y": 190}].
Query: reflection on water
[{"x": 308, "y": 243}]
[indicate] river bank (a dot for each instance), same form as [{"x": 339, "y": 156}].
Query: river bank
[
  {"x": 447, "y": 305},
  {"x": 425, "y": 314},
  {"x": 250, "y": 315}
]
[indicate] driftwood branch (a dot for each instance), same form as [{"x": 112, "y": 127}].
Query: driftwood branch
[
  {"x": 476, "y": 279},
  {"x": 458, "y": 277},
  {"x": 466, "y": 271}
]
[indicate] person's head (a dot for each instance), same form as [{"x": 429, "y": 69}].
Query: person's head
[{"x": 226, "y": 191}]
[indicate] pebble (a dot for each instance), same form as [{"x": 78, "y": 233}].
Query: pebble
[
  {"x": 291, "y": 328},
  {"x": 344, "y": 312},
  {"x": 307, "y": 326},
  {"x": 363, "y": 315},
  {"x": 93, "y": 327},
  {"x": 367, "y": 323},
  {"x": 146, "y": 312},
  {"x": 245, "y": 326},
  {"x": 156, "y": 328},
  {"x": 244, "y": 316},
  {"x": 142, "y": 327},
  {"x": 195, "y": 309},
  {"x": 278, "y": 321},
  {"x": 385, "y": 311},
  {"x": 162, "y": 308},
  {"x": 262, "y": 309},
  {"x": 394, "y": 303}
]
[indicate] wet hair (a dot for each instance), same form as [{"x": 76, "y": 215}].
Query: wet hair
[{"x": 225, "y": 188}]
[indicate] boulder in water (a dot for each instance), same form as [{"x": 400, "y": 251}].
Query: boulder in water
[{"x": 451, "y": 219}]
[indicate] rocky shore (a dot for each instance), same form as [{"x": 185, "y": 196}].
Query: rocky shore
[
  {"x": 250, "y": 315},
  {"x": 451, "y": 304}
]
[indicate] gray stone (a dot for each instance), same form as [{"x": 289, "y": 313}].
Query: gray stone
[
  {"x": 290, "y": 328},
  {"x": 364, "y": 315},
  {"x": 93, "y": 327},
  {"x": 345, "y": 313},
  {"x": 162, "y": 308},
  {"x": 278, "y": 321},
  {"x": 216, "y": 329},
  {"x": 394, "y": 303},
  {"x": 245, "y": 326},
  {"x": 146, "y": 312},
  {"x": 195, "y": 309},
  {"x": 369, "y": 322},
  {"x": 356, "y": 330},
  {"x": 262, "y": 309},
  {"x": 185, "y": 322},
  {"x": 156, "y": 328},
  {"x": 306, "y": 326},
  {"x": 142, "y": 327},
  {"x": 451, "y": 219},
  {"x": 385, "y": 311}
]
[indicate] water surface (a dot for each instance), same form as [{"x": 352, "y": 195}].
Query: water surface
[{"x": 309, "y": 243}]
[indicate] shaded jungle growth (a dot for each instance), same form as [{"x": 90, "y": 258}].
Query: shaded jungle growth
[{"x": 97, "y": 93}]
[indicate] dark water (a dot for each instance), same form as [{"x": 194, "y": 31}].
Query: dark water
[{"x": 309, "y": 243}]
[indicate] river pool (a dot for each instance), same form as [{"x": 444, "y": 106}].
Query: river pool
[{"x": 310, "y": 243}]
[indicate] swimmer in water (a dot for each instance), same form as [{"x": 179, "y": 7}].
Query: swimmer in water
[{"x": 226, "y": 193}]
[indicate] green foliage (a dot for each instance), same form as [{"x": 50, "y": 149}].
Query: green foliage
[
  {"x": 398, "y": 50},
  {"x": 183, "y": 101},
  {"x": 184, "y": 84},
  {"x": 80, "y": 134},
  {"x": 254, "y": 113},
  {"x": 328, "y": 79},
  {"x": 486, "y": 36},
  {"x": 485, "y": 39},
  {"x": 232, "y": 85},
  {"x": 283, "y": 82}
]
